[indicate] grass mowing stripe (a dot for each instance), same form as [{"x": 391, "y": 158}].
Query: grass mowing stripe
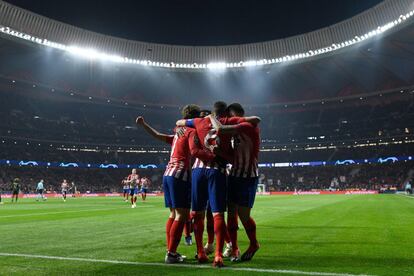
[
  {"x": 64, "y": 212},
  {"x": 264, "y": 270},
  {"x": 60, "y": 212}
]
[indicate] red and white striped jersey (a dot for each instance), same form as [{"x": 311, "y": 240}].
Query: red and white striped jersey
[
  {"x": 133, "y": 180},
  {"x": 246, "y": 151},
  {"x": 198, "y": 163},
  {"x": 208, "y": 136},
  {"x": 183, "y": 147}
]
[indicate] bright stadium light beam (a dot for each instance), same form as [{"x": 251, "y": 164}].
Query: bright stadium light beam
[{"x": 97, "y": 55}]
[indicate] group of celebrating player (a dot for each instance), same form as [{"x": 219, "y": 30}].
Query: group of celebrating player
[
  {"x": 212, "y": 142},
  {"x": 134, "y": 185}
]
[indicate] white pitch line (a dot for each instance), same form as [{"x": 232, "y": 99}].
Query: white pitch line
[
  {"x": 409, "y": 196},
  {"x": 264, "y": 270}
]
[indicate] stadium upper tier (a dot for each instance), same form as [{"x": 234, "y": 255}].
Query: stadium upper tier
[
  {"x": 373, "y": 67},
  {"x": 374, "y": 22}
]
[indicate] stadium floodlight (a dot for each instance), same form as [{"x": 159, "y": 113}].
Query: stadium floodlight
[
  {"x": 97, "y": 55},
  {"x": 217, "y": 65}
]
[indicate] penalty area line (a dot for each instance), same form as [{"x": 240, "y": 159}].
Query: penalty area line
[
  {"x": 405, "y": 195},
  {"x": 251, "y": 269}
]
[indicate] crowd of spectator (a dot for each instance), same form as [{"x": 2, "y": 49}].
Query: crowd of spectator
[
  {"x": 345, "y": 177},
  {"x": 86, "y": 180}
]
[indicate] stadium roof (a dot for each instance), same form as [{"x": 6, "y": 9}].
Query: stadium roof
[{"x": 382, "y": 18}]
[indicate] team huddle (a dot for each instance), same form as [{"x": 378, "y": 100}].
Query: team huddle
[{"x": 222, "y": 149}]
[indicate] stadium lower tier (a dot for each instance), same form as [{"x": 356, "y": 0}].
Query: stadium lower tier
[{"x": 347, "y": 177}]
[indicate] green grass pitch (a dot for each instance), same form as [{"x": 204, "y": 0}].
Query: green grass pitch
[{"x": 326, "y": 234}]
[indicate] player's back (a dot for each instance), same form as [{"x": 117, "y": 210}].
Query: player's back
[
  {"x": 180, "y": 157},
  {"x": 246, "y": 151},
  {"x": 208, "y": 135}
]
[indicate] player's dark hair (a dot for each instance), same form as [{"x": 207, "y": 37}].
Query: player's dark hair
[
  {"x": 220, "y": 108},
  {"x": 190, "y": 111},
  {"x": 236, "y": 108}
]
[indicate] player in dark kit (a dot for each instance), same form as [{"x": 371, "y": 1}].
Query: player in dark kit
[
  {"x": 176, "y": 179},
  {"x": 15, "y": 189},
  {"x": 209, "y": 179},
  {"x": 243, "y": 179}
]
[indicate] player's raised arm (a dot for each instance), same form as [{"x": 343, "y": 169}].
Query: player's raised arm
[{"x": 154, "y": 133}]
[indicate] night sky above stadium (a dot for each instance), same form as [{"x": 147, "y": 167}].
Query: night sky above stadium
[{"x": 196, "y": 22}]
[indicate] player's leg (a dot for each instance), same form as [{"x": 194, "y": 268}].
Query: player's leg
[
  {"x": 142, "y": 195},
  {"x": 180, "y": 194},
  {"x": 188, "y": 229},
  {"x": 181, "y": 216},
  {"x": 135, "y": 197},
  {"x": 168, "y": 204},
  {"x": 209, "y": 247},
  {"x": 232, "y": 216},
  {"x": 218, "y": 198},
  {"x": 246, "y": 202},
  {"x": 199, "y": 195},
  {"x": 132, "y": 194}
]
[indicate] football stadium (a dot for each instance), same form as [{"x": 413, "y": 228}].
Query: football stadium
[{"x": 207, "y": 138}]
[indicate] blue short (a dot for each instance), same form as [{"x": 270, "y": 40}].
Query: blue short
[
  {"x": 126, "y": 191},
  {"x": 242, "y": 190},
  {"x": 133, "y": 192},
  {"x": 208, "y": 185},
  {"x": 144, "y": 190},
  {"x": 177, "y": 192}
]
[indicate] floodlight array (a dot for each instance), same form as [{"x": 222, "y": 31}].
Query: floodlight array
[{"x": 93, "y": 54}]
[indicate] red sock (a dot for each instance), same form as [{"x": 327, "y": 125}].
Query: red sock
[
  {"x": 175, "y": 235},
  {"x": 168, "y": 230},
  {"x": 220, "y": 231},
  {"x": 232, "y": 227},
  {"x": 210, "y": 228},
  {"x": 198, "y": 232},
  {"x": 250, "y": 227}
]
